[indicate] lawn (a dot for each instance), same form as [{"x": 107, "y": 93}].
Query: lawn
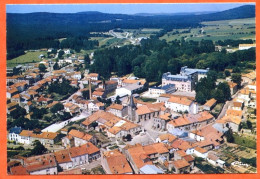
[
  {"x": 245, "y": 141},
  {"x": 29, "y": 57},
  {"x": 149, "y": 100}
]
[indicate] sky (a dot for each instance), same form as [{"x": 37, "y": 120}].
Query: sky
[{"x": 123, "y": 8}]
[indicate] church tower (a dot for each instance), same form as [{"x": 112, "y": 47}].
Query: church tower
[{"x": 131, "y": 109}]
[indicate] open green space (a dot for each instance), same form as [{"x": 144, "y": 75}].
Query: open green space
[
  {"x": 216, "y": 30},
  {"x": 29, "y": 57}
]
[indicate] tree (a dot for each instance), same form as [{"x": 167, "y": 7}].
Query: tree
[
  {"x": 249, "y": 124},
  {"x": 38, "y": 148},
  {"x": 85, "y": 94},
  {"x": 224, "y": 87},
  {"x": 86, "y": 61},
  {"x": 236, "y": 78},
  {"x": 18, "y": 112},
  {"x": 56, "y": 66},
  {"x": 61, "y": 52},
  {"x": 219, "y": 96},
  {"x": 57, "y": 107},
  {"x": 227, "y": 73},
  {"x": 229, "y": 135},
  {"x": 118, "y": 101},
  {"x": 42, "y": 67},
  {"x": 200, "y": 98}
]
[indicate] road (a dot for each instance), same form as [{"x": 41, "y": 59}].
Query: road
[
  {"x": 229, "y": 103},
  {"x": 58, "y": 126}
]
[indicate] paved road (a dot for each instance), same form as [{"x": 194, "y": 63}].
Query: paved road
[
  {"x": 58, "y": 126},
  {"x": 229, "y": 103}
]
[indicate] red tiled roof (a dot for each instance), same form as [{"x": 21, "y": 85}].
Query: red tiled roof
[{"x": 19, "y": 170}]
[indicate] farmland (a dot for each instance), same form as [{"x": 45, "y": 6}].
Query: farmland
[{"x": 216, "y": 30}]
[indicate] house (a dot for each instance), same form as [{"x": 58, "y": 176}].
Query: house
[
  {"x": 200, "y": 152},
  {"x": 93, "y": 76},
  {"x": 16, "y": 98},
  {"x": 109, "y": 86},
  {"x": 28, "y": 137},
  {"x": 166, "y": 138},
  {"x": 13, "y": 134},
  {"x": 190, "y": 121},
  {"x": 117, "y": 109},
  {"x": 230, "y": 122},
  {"x": 41, "y": 164},
  {"x": 157, "y": 91},
  {"x": 11, "y": 92},
  {"x": 19, "y": 170},
  {"x": 100, "y": 94},
  {"x": 11, "y": 107},
  {"x": 94, "y": 106},
  {"x": 150, "y": 169},
  {"x": 67, "y": 51},
  {"x": 63, "y": 159},
  {"x": 43, "y": 101},
  {"x": 237, "y": 105},
  {"x": 59, "y": 72},
  {"x": 245, "y": 94},
  {"x": 77, "y": 138},
  {"x": 122, "y": 128},
  {"x": 180, "y": 144},
  {"x": 77, "y": 75},
  {"x": 214, "y": 160},
  {"x": 148, "y": 111},
  {"x": 179, "y": 166},
  {"x": 210, "y": 136},
  {"x": 125, "y": 82},
  {"x": 180, "y": 154},
  {"x": 182, "y": 104},
  {"x": 209, "y": 104},
  {"x": 20, "y": 86},
  {"x": 233, "y": 87},
  {"x": 137, "y": 157},
  {"x": 114, "y": 162},
  {"x": 84, "y": 154},
  {"x": 159, "y": 123}
]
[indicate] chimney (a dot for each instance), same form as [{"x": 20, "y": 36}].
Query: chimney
[{"x": 89, "y": 88}]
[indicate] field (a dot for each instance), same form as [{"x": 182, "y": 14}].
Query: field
[
  {"x": 29, "y": 57},
  {"x": 216, "y": 30}
]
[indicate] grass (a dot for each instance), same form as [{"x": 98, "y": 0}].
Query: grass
[
  {"x": 29, "y": 57},
  {"x": 244, "y": 141},
  {"x": 151, "y": 100}
]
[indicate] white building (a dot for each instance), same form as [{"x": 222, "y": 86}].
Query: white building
[
  {"x": 182, "y": 104},
  {"x": 157, "y": 91},
  {"x": 13, "y": 134}
]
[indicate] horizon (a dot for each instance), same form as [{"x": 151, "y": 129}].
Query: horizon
[{"x": 126, "y": 8}]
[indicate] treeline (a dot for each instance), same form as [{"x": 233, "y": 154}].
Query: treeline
[
  {"x": 78, "y": 43},
  {"x": 234, "y": 43},
  {"x": 17, "y": 47},
  {"x": 154, "y": 57}
]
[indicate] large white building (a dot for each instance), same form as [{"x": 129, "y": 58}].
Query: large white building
[{"x": 186, "y": 80}]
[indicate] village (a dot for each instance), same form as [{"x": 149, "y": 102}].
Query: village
[{"x": 76, "y": 122}]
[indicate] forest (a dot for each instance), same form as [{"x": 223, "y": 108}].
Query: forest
[
  {"x": 154, "y": 57},
  {"x": 42, "y": 30}
]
